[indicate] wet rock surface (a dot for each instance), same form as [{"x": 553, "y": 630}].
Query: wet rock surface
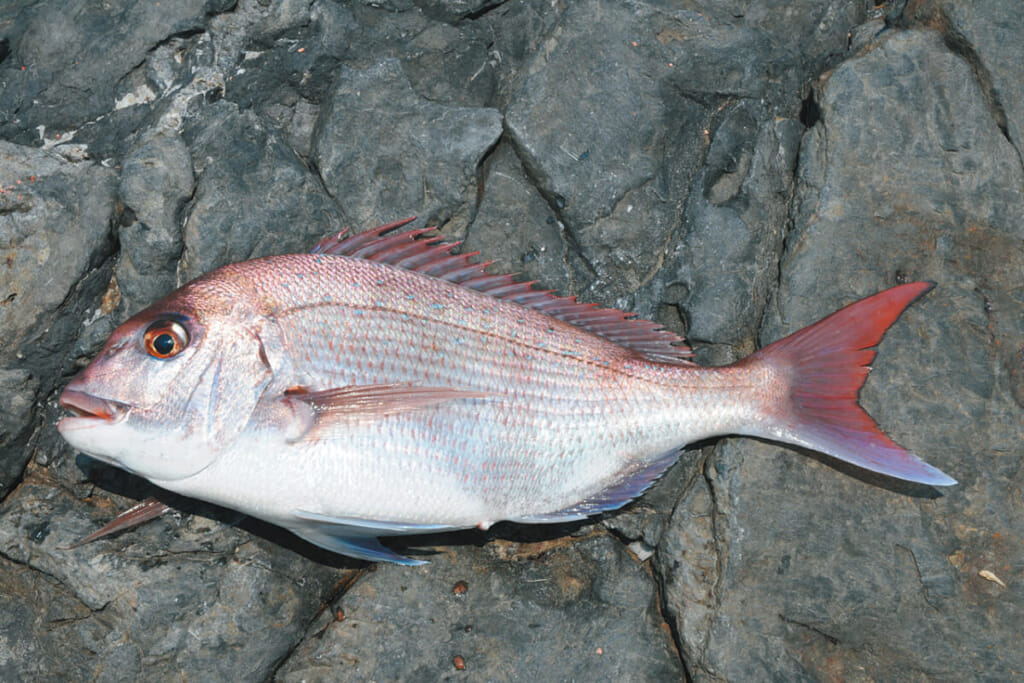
[{"x": 732, "y": 171}]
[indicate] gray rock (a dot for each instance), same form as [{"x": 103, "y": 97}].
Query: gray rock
[
  {"x": 451, "y": 64},
  {"x": 254, "y": 196},
  {"x": 58, "y": 47},
  {"x": 587, "y": 602},
  {"x": 986, "y": 38},
  {"x": 37, "y": 613},
  {"x": 55, "y": 229},
  {"x": 515, "y": 226},
  {"x": 55, "y": 221},
  {"x": 288, "y": 67},
  {"x": 735, "y": 222},
  {"x": 16, "y": 416},
  {"x": 386, "y": 153},
  {"x": 453, "y": 10},
  {"x": 586, "y": 119},
  {"x": 756, "y": 50},
  {"x": 690, "y": 556},
  {"x": 156, "y": 182},
  {"x": 197, "y": 598},
  {"x": 596, "y": 143},
  {"x": 865, "y": 582}
]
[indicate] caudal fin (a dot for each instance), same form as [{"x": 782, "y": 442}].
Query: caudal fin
[{"x": 826, "y": 364}]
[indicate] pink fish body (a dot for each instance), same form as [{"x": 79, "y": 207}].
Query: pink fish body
[{"x": 383, "y": 386}]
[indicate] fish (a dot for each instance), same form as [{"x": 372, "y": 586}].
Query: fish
[{"x": 384, "y": 384}]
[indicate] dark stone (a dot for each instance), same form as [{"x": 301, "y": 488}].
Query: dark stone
[
  {"x": 68, "y": 60},
  {"x": 986, "y": 39},
  {"x": 17, "y": 415},
  {"x": 386, "y": 153},
  {"x": 156, "y": 183},
  {"x": 587, "y": 118},
  {"x": 510, "y": 204},
  {"x": 406, "y": 625},
  {"x": 735, "y": 220},
  {"x": 55, "y": 221},
  {"x": 869, "y": 577},
  {"x": 195, "y": 596},
  {"x": 254, "y": 196},
  {"x": 454, "y": 10}
]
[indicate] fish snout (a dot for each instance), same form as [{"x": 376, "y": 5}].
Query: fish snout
[{"x": 87, "y": 406}]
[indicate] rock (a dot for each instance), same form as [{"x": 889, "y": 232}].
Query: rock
[
  {"x": 55, "y": 235},
  {"x": 156, "y": 183},
  {"x": 56, "y": 48},
  {"x": 689, "y": 562},
  {"x": 735, "y": 220},
  {"x": 202, "y": 600},
  {"x": 453, "y": 10},
  {"x": 509, "y": 202},
  {"x": 451, "y": 64},
  {"x": 854, "y": 566},
  {"x": 16, "y": 417},
  {"x": 254, "y": 196},
  {"x": 380, "y": 629},
  {"x": 589, "y": 135},
  {"x": 386, "y": 153},
  {"x": 985, "y": 38},
  {"x": 287, "y": 69}
]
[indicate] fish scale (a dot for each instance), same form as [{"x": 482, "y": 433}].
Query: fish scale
[{"x": 383, "y": 385}]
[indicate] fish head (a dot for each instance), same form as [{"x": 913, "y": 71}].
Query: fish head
[{"x": 173, "y": 386}]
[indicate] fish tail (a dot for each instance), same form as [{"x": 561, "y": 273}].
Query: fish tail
[{"x": 823, "y": 366}]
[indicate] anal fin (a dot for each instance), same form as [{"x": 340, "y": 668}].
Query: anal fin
[{"x": 630, "y": 484}]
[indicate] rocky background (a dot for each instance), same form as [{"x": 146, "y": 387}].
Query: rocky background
[{"x": 731, "y": 169}]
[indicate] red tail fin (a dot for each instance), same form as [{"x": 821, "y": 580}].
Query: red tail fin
[{"x": 827, "y": 364}]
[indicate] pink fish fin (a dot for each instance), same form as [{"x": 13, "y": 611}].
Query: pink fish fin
[
  {"x": 429, "y": 254},
  {"x": 323, "y": 411},
  {"x": 357, "y": 537},
  {"x": 339, "y": 244},
  {"x": 629, "y": 484},
  {"x": 149, "y": 509},
  {"x": 825, "y": 365}
]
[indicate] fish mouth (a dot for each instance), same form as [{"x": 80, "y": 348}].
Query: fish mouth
[{"x": 85, "y": 406}]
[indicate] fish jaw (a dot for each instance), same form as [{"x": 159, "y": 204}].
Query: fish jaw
[
  {"x": 88, "y": 408},
  {"x": 103, "y": 429},
  {"x": 91, "y": 421}
]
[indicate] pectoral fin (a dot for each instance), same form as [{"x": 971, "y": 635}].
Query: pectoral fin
[
  {"x": 357, "y": 537},
  {"x": 321, "y": 412}
]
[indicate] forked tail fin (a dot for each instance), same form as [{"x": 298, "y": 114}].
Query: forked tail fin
[{"x": 826, "y": 365}]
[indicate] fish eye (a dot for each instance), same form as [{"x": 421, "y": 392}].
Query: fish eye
[{"x": 165, "y": 338}]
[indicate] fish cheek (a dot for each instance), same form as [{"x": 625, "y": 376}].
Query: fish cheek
[{"x": 227, "y": 391}]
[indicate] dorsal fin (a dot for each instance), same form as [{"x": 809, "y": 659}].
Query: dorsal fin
[{"x": 430, "y": 255}]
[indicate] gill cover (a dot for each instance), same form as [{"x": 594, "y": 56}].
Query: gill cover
[{"x": 221, "y": 389}]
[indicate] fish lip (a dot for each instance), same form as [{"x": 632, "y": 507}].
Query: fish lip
[{"x": 85, "y": 406}]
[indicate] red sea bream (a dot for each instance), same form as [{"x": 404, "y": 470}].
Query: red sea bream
[{"x": 382, "y": 385}]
